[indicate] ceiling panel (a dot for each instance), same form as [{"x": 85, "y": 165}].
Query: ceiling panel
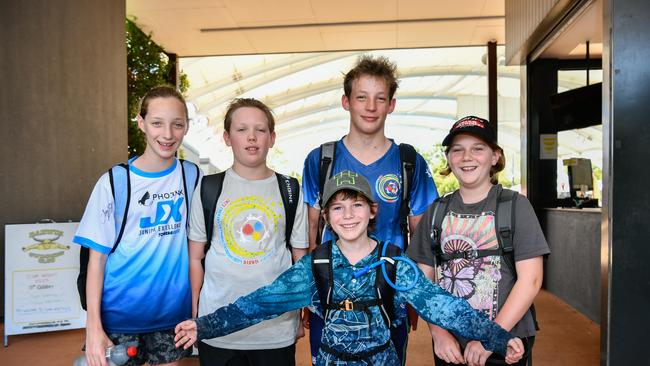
[
  {"x": 272, "y": 26},
  {"x": 269, "y": 40},
  {"x": 360, "y": 10},
  {"x": 269, "y": 12}
]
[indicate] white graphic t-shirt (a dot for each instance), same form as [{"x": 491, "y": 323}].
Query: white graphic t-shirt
[{"x": 248, "y": 251}]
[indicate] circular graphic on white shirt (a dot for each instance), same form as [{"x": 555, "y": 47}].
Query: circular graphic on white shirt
[{"x": 246, "y": 226}]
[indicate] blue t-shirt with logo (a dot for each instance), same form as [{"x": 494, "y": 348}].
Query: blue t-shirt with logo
[
  {"x": 386, "y": 182},
  {"x": 146, "y": 281}
]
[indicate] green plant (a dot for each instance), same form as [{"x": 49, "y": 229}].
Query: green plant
[{"x": 147, "y": 66}]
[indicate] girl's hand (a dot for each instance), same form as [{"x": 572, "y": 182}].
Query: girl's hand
[
  {"x": 186, "y": 334},
  {"x": 446, "y": 347},
  {"x": 96, "y": 344},
  {"x": 476, "y": 354},
  {"x": 515, "y": 350}
]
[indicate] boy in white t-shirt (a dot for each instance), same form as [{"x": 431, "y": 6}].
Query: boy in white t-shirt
[
  {"x": 248, "y": 248},
  {"x": 141, "y": 290}
]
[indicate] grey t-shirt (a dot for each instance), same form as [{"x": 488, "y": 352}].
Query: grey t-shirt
[{"x": 484, "y": 282}]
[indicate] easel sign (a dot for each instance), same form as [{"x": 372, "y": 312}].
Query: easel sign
[{"x": 41, "y": 268}]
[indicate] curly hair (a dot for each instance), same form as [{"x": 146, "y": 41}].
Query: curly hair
[{"x": 379, "y": 67}]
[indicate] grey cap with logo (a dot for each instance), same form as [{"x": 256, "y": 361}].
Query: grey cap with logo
[{"x": 347, "y": 179}]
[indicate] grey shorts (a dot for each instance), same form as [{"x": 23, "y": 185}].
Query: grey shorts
[{"x": 153, "y": 348}]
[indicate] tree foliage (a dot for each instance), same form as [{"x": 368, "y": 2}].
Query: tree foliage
[{"x": 147, "y": 66}]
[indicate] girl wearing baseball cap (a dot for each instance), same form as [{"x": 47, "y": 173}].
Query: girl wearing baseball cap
[{"x": 482, "y": 243}]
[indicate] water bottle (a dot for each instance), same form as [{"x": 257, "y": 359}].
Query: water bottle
[{"x": 116, "y": 356}]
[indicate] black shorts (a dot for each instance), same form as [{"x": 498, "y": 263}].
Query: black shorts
[
  {"x": 214, "y": 356},
  {"x": 153, "y": 348},
  {"x": 498, "y": 360}
]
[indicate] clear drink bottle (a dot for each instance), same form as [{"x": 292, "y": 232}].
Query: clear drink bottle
[{"x": 117, "y": 355}]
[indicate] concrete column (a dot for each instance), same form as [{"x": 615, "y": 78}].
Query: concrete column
[{"x": 63, "y": 106}]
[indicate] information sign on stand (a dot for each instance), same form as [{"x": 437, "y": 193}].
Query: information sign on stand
[{"x": 41, "y": 268}]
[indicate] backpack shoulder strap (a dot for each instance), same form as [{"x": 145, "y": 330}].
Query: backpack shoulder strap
[
  {"x": 120, "y": 181},
  {"x": 118, "y": 177},
  {"x": 325, "y": 167},
  {"x": 326, "y": 164},
  {"x": 211, "y": 186},
  {"x": 439, "y": 207},
  {"x": 505, "y": 225},
  {"x": 505, "y": 219},
  {"x": 190, "y": 180},
  {"x": 385, "y": 292},
  {"x": 407, "y": 156},
  {"x": 321, "y": 265},
  {"x": 289, "y": 191}
]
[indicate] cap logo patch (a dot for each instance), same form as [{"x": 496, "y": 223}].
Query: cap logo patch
[
  {"x": 346, "y": 177},
  {"x": 469, "y": 123}
]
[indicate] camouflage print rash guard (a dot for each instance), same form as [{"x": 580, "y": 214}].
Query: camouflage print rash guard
[{"x": 354, "y": 331}]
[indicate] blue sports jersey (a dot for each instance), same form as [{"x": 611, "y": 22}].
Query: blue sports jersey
[
  {"x": 386, "y": 181},
  {"x": 355, "y": 331},
  {"x": 146, "y": 281}
]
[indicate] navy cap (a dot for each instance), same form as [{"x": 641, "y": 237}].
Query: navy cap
[{"x": 473, "y": 125}]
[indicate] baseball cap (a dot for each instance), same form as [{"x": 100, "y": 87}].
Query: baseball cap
[
  {"x": 347, "y": 179},
  {"x": 473, "y": 125}
]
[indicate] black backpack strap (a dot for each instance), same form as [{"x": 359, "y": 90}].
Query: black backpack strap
[
  {"x": 123, "y": 193},
  {"x": 385, "y": 292},
  {"x": 321, "y": 265},
  {"x": 505, "y": 223},
  {"x": 505, "y": 226},
  {"x": 325, "y": 166},
  {"x": 407, "y": 155},
  {"x": 111, "y": 177},
  {"x": 190, "y": 171},
  {"x": 505, "y": 219},
  {"x": 439, "y": 207},
  {"x": 289, "y": 191},
  {"x": 211, "y": 186}
]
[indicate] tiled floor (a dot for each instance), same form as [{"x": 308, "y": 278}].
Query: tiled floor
[{"x": 567, "y": 338}]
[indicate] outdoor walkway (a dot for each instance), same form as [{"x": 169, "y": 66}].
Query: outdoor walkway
[{"x": 567, "y": 338}]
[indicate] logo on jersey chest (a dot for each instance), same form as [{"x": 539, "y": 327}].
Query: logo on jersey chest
[
  {"x": 388, "y": 187},
  {"x": 165, "y": 211}
]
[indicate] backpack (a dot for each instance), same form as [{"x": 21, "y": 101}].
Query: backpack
[
  {"x": 120, "y": 181},
  {"x": 321, "y": 262},
  {"x": 505, "y": 230},
  {"x": 211, "y": 187},
  {"x": 407, "y": 156}
]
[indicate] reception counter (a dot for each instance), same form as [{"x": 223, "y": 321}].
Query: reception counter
[{"x": 572, "y": 271}]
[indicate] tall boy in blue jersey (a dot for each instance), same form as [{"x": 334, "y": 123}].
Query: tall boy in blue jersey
[
  {"x": 369, "y": 98},
  {"x": 140, "y": 291}
]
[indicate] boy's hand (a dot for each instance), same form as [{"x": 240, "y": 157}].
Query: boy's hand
[
  {"x": 96, "y": 344},
  {"x": 515, "y": 350},
  {"x": 305, "y": 318},
  {"x": 476, "y": 354},
  {"x": 186, "y": 334},
  {"x": 413, "y": 316}
]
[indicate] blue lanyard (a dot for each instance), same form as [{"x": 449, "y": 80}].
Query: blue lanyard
[{"x": 382, "y": 262}]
